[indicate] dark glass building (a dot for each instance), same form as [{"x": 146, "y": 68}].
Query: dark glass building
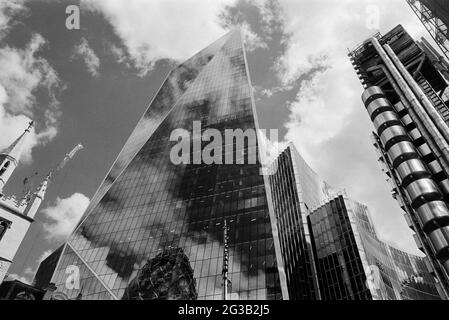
[
  {"x": 148, "y": 204},
  {"x": 295, "y": 189},
  {"x": 354, "y": 264},
  {"x": 404, "y": 98},
  {"x": 17, "y": 290},
  {"x": 329, "y": 245},
  {"x": 46, "y": 268}
]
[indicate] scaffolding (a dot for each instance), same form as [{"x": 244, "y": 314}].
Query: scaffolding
[{"x": 431, "y": 14}]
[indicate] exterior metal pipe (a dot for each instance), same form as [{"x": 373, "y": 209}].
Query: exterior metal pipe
[
  {"x": 420, "y": 189},
  {"x": 414, "y": 102},
  {"x": 418, "y": 121},
  {"x": 433, "y": 113},
  {"x": 440, "y": 241},
  {"x": 430, "y": 212}
]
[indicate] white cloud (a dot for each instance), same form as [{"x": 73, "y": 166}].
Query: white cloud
[
  {"x": 44, "y": 256},
  {"x": 14, "y": 276},
  {"x": 7, "y": 10},
  {"x": 327, "y": 111},
  {"x": 85, "y": 52},
  {"x": 63, "y": 216},
  {"x": 326, "y": 28},
  {"x": 118, "y": 53},
  {"x": 29, "y": 272},
  {"x": 161, "y": 28},
  {"x": 327, "y": 122},
  {"x": 23, "y": 72},
  {"x": 252, "y": 40}
]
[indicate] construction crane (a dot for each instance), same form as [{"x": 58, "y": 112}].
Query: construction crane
[
  {"x": 69, "y": 156},
  {"x": 26, "y": 192},
  {"x": 40, "y": 192}
]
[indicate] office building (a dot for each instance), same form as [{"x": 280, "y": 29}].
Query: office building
[
  {"x": 147, "y": 204},
  {"x": 434, "y": 15},
  {"x": 46, "y": 268},
  {"x": 295, "y": 189},
  {"x": 354, "y": 264},
  {"x": 329, "y": 245},
  {"x": 404, "y": 99}
]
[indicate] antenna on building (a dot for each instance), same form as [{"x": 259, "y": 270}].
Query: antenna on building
[{"x": 224, "y": 272}]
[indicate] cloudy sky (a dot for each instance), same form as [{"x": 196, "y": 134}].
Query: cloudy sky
[{"x": 92, "y": 85}]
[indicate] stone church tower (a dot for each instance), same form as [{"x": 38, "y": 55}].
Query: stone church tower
[{"x": 16, "y": 215}]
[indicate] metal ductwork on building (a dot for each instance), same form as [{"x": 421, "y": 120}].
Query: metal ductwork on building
[
  {"x": 431, "y": 214},
  {"x": 408, "y": 97},
  {"x": 440, "y": 242},
  {"x": 425, "y": 102},
  {"x": 423, "y": 193}
]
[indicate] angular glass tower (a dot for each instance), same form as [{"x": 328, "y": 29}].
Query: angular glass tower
[
  {"x": 295, "y": 190},
  {"x": 329, "y": 245},
  {"x": 147, "y": 204},
  {"x": 353, "y": 263}
]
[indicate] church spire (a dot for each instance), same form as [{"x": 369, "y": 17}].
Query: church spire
[
  {"x": 38, "y": 196},
  {"x": 10, "y": 157}
]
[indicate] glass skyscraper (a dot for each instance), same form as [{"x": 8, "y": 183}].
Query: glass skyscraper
[
  {"x": 146, "y": 204},
  {"x": 329, "y": 245},
  {"x": 354, "y": 264},
  {"x": 295, "y": 190}
]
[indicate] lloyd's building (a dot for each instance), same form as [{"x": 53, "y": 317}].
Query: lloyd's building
[{"x": 405, "y": 85}]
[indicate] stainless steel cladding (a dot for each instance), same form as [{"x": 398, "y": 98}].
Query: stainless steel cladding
[
  {"x": 424, "y": 194},
  {"x": 371, "y": 91},
  {"x": 384, "y": 118},
  {"x": 440, "y": 242},
  {"x": 431, "y": 214},
  {"x": 393, "y": 133},
  {"x": 446, "y": 264},
  {"x": 422, "y": 189},
  {"x": 444, "y": 186},
  {"x": 425, "y": 102},
  {"x": 402, "y": 149},
  {"x": 412, "y": 169},
  {"x": 374, "y": 106}
]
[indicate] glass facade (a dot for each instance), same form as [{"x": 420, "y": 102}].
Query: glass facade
[
  {"x": 341, "y": 273},
  {"x": 295, "y": 188},
  {"x": 168, "y": 276},
  {"x": 46, "y": 268},
  {"x": 329, "y": 246},
  {"x": 354, "y": 264},
  {"x": 147, "y": 204}
]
